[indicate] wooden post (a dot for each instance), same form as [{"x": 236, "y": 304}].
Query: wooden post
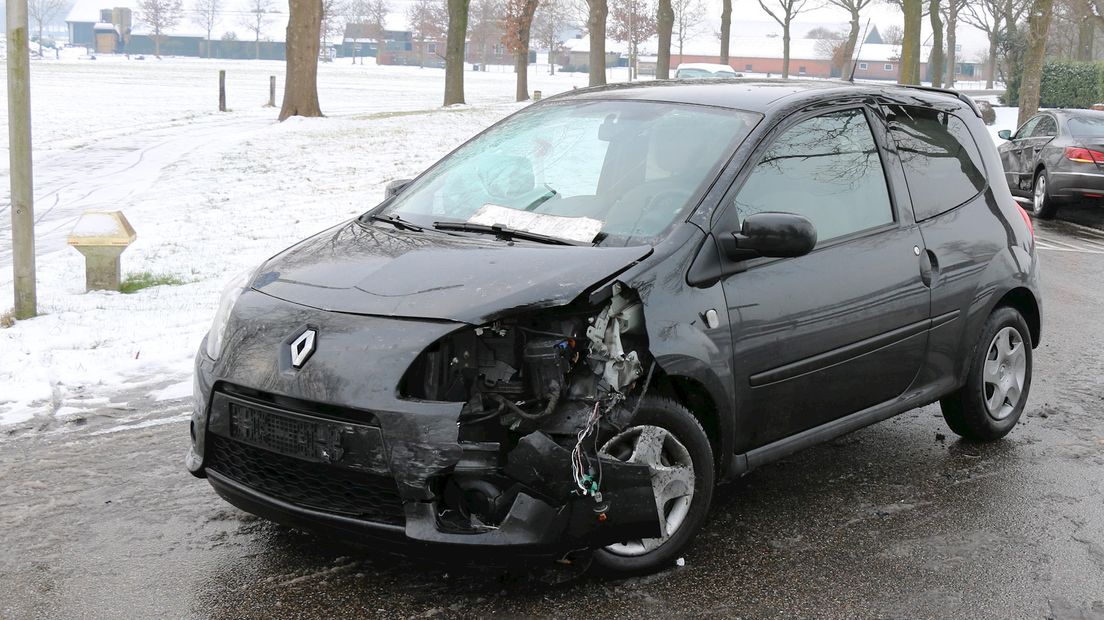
[
  {"x": 272, "y": 91},
  {"x": 222, "y": 90},
  {"x": 19, "y": 154}
]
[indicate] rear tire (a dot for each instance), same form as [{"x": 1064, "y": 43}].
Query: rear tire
[
  {"x": 1043, "y": 205},
  {"x": 999, "y": 380},
  {"x": 685, "y": 443}
]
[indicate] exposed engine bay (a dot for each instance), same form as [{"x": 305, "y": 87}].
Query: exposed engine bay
[{"x": 543, "y": 394}]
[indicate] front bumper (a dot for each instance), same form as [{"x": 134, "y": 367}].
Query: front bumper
[{"x": 369, "y": 466}]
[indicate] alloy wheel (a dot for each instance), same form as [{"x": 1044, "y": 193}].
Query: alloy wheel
[
  {"x": 1004, "y": 373},
  {"x": 672, "y": 471},
  {"x": 1039, "y": 201}
]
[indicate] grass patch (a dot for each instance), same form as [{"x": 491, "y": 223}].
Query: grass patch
[{"x": 145, "y": 279}]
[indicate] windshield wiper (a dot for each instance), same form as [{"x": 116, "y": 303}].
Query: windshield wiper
[
  {"x": 503, "y": 232},
  {"x": 395, "y": 221}
]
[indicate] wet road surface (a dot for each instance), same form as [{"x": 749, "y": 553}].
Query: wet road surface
[{"x": 98, "y": 519}]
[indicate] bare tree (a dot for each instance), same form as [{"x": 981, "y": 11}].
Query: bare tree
[
  {"x": 301, "y": 77},
  {"x": 909, "y": 71},
  {"x": 854, "y": 8},
  {"x": 206, "y": 16},
  {"x": 1039, "y": 16},
  {"x": 783, "y": 12},
  {"x": 726, "y": 29},
  {"x": 689, "y": 20},
  {"x": 519, "y": 24},
  {"x": 553, "y": 16},
  {"x": 893, "y": 35},
  {"x": 454, "y": 51},
  {"x": 665, "y": 24},
  {"x": 376, "y": 12},
  {"x": 832, "y": 45},
  {"x": 258, "y": 15},
  {"x": 485, "y": 20},
  {"x": 997, "y": 19},
  {"x": 953, "y": 9},
  {"x": 428, "y": 21},
  {"x": 333, "y": 22},
  {"x": 632, "y": 22},
  {"x": 43, "y": 12},
  {"x": 159, "y": 15},
  {"x": 935, "y": 61},
  {"x": 597, "y": 12}
]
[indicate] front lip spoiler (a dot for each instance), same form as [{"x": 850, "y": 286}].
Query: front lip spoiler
[{"x": 392, "y": 538}]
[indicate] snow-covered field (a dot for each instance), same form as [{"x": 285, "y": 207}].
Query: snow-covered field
[{"x": 209, "y": 194}]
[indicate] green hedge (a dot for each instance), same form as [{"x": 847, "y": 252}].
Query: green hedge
[{"x": 1065, "y": 85}]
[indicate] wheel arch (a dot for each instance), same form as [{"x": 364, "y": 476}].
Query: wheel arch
[
  {"x": 702, "y": 395},
  {"x": 1022, "y": 300}
]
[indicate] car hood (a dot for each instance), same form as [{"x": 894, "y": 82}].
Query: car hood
[{"x": 383, "y": 271}]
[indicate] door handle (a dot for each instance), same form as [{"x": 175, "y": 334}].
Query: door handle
[{"x": 929, "y": 268}]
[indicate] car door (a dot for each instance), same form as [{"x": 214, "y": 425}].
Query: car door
[
  {"x": 1041, "y": 135},
  {"x": 842, "y": 328},
  {"x": 1012, "y": 155}
]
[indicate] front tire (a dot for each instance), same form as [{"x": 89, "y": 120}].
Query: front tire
[
  {"x": 667, "y": 437},
  {"x": 1043, "y": 205},
  {"x": 996, "y": 390}
]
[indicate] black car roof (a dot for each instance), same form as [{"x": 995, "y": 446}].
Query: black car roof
[{"x": 758, "y": 95}]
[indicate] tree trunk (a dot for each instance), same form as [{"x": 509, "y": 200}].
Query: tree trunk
[
  {"x": 951, "y": 64},
  {"x": 665, "y": 24},
  {"x": 1085, "y": 32},
  {"x": 849, "y": 47},
  {"x": 157, "y": 45},
  {"x": 1038, "y": 25},
  {"x": 521, "y": 56},
  {"x": 726, "y": 29},
  {"x": 596, "y": 28},
  {"x": 208, "y": 44},
  {"x": 786, "y": 50},
  {"x": 935, "y": 64},
  {"x": 257, "y": 46},
  {"x": 991, "y": 70},
  {"x": 909, "y": 72},
  {"x": 454, "y": 51},
  {"x": 301, "y": 76}
]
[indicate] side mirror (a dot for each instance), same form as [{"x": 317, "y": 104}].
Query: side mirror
[
  {"x": 394, "y": 187},
  {"x": 772, "y": 234},
  {"x": 1005, "y": 134}
]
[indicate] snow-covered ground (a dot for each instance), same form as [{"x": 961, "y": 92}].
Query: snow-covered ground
[{"x": 209, "y": 194}]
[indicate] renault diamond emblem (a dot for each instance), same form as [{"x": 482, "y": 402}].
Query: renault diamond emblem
[{"x": 301, "y": 348}]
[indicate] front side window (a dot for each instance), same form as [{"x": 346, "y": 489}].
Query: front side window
[
  {"x": 1046, "y": 128},
  {"x": 633, "y": 166},
  {"x": 943, "y": 167},
  {"x": 825, "y": 168},
  {"x": 1027, "y": 128}
]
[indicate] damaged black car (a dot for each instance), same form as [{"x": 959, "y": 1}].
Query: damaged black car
[{"x": 563, "y": 335}]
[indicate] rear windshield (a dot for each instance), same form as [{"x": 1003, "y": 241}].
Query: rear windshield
[{"x": 1087, "y": 126}]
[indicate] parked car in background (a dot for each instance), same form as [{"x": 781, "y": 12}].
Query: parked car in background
[
  {"x": 704, "y": 70},
  {"x": 562, "y": 335},
  {"x": 1055, "y": 158}
]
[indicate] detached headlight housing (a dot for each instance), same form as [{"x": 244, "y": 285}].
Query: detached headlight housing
[{"x": 230, "y": 296}]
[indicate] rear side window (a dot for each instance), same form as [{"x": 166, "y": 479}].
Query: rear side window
[
  {"x": 943, "y": 166},
  {"x": 1046, "y": 128},
  {"x": 826, "y": 168}
]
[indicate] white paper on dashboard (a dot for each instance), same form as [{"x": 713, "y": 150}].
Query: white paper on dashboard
[{"x": 583, "y": 229}]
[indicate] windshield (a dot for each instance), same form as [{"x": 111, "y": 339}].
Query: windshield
[
  {"x": 693, "y": 73},
  {"x": 621, "y": 171},
  {"x": 1087, "y": 126}
]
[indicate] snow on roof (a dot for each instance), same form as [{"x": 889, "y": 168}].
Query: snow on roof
[{"x": 233, "y": 16}]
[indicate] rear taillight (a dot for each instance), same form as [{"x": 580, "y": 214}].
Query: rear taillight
[
  {"x": 1027, "y": 220},
  {"x": 1084, "y": 156}
]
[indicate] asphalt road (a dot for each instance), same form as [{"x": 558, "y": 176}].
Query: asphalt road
[{"x": 98, "y": 519}]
